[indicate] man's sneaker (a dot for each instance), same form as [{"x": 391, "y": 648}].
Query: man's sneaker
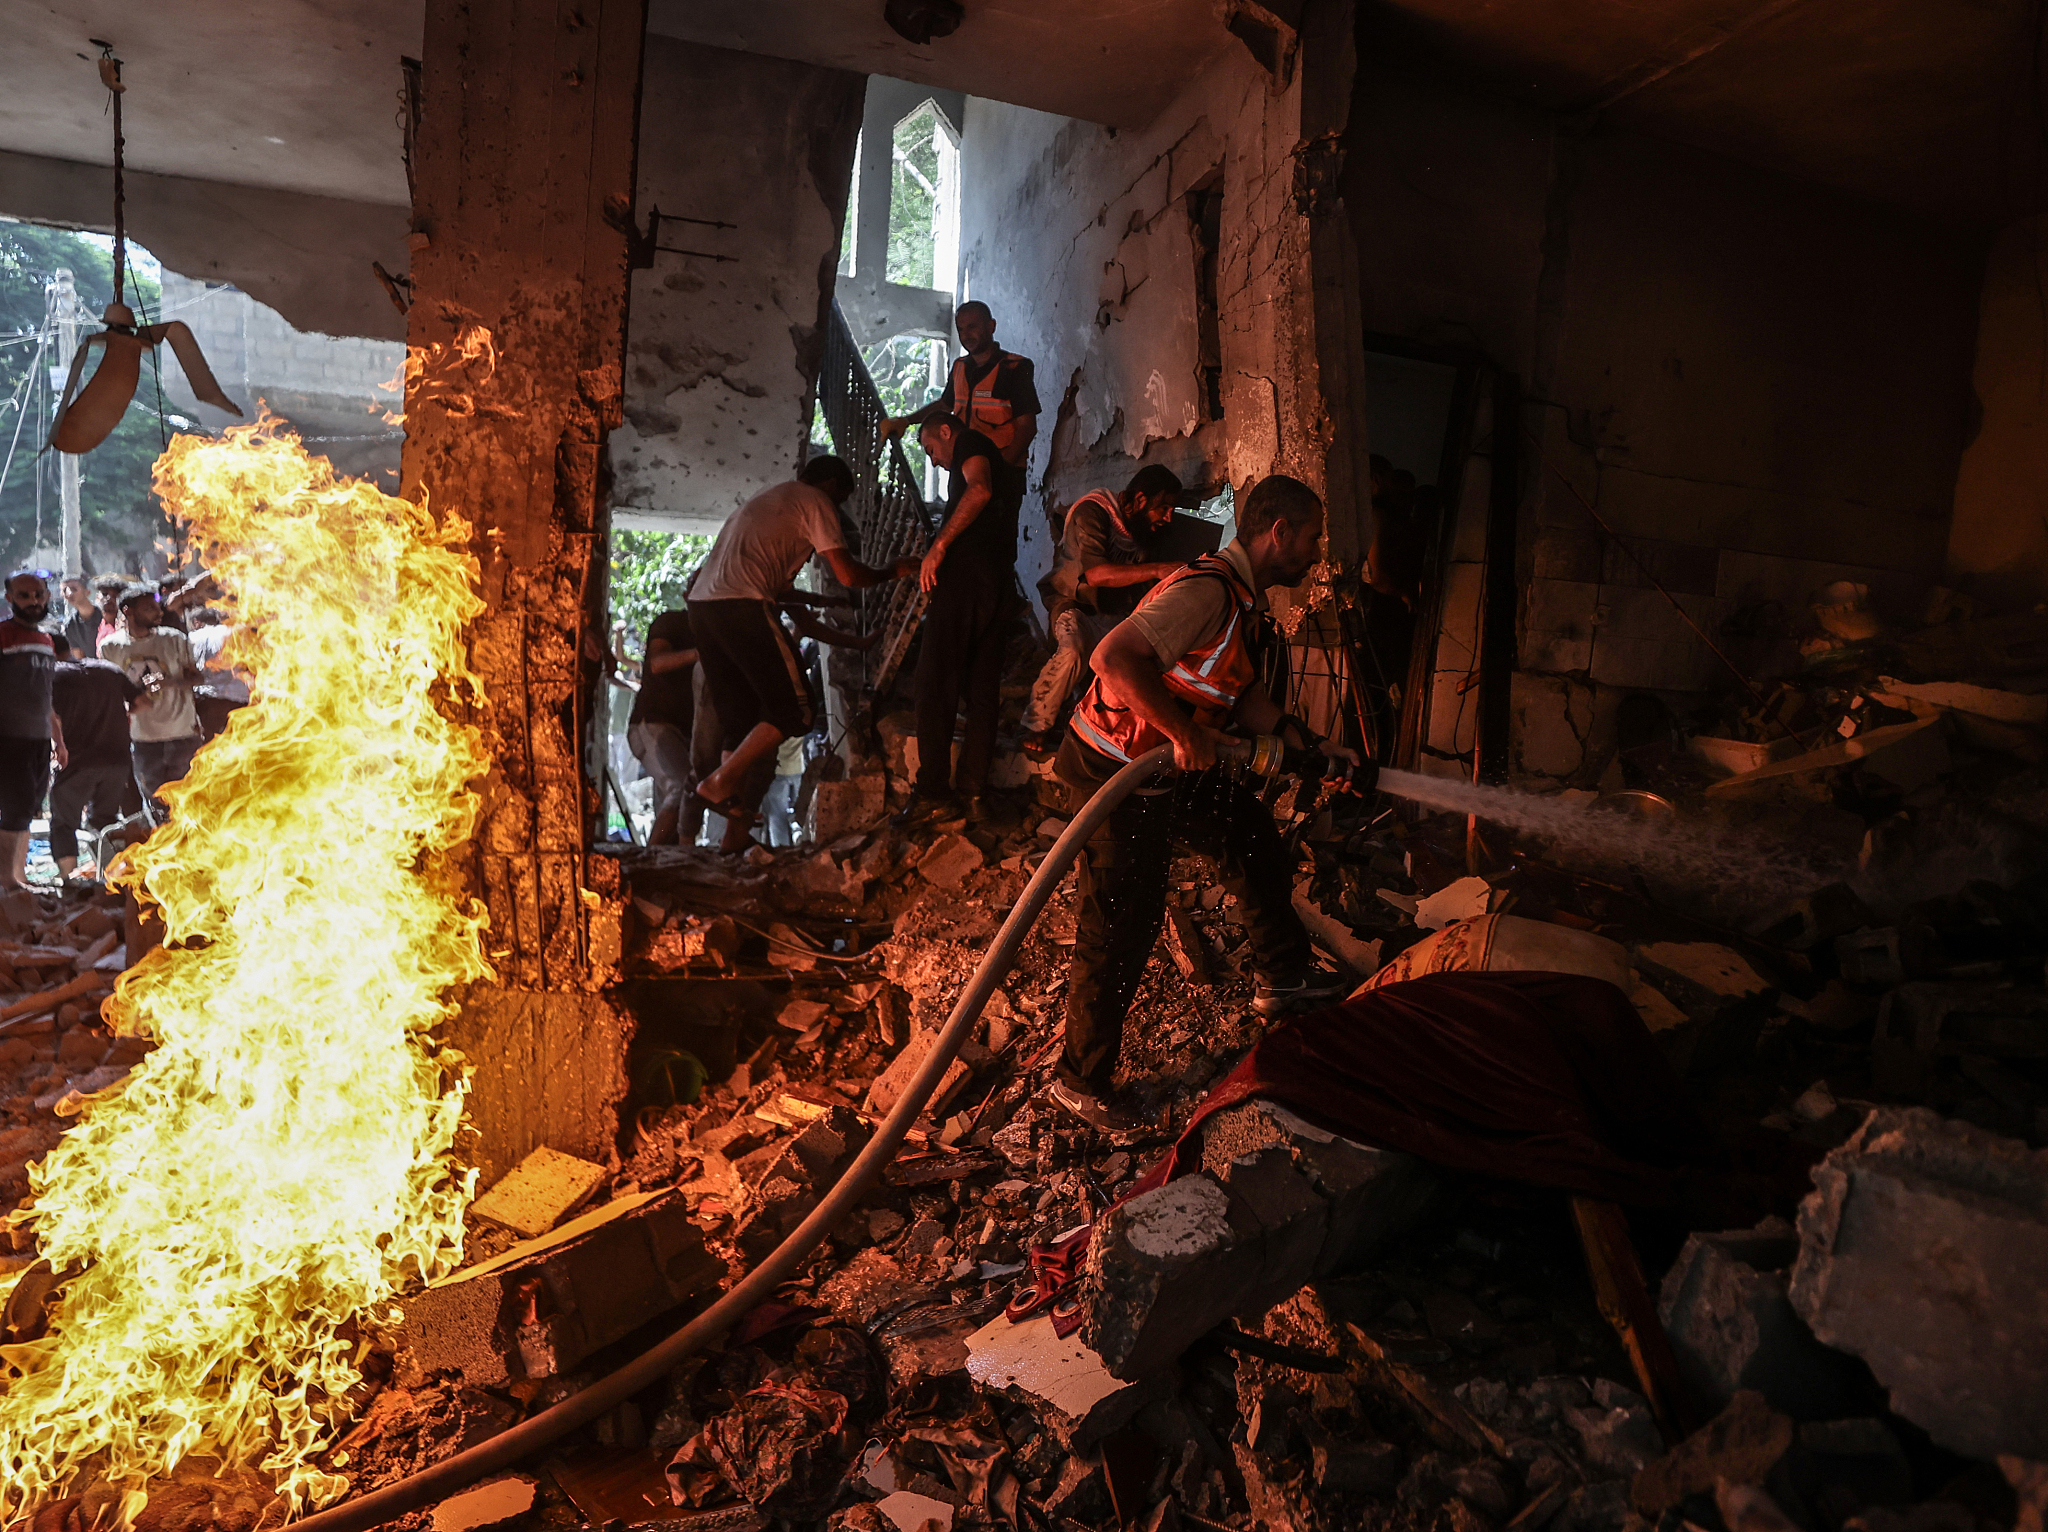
[
  {"x": 977, "y": 809},
  {"x": 1298, "y": 989},
  {"x": 925, "y": 810},
  {"x": 1040, "y": 744},
  {"x": 1093, "y": 1110}
]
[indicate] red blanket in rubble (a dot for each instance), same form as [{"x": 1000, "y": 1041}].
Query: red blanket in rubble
[{"x": 1549, "y": 1079}]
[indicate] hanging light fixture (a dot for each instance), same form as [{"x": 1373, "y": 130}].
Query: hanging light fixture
[{"x": 87, "y": 415}]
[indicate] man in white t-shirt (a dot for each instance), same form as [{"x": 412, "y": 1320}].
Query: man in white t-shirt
[
  {"x": 163, "y": 723},
  {"x": 750, "y": 664}
]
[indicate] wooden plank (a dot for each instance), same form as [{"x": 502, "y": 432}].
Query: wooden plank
[{"x": 1624, "y": 1299}]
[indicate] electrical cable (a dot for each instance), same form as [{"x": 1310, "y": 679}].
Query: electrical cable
[{"x": 529, "y": 1436}]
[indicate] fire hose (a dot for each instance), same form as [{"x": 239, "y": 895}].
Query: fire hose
[{"x": 1263, "y": 757}]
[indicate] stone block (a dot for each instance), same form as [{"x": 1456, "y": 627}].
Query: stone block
[
  {"x": 544, "y": 1305},
  {"x": 1733, "y": 1327},
  {"x": 846, "y": 807},
  {"x": 949, "y": 859},
  {"x": 1921, "y": 1250},
  {"x": 542, "y": 1190},
  {"x": 1163, "y": 1269},
  {"x": 889, "y": 1085},
  {"x": 1277, "y": 1203}
]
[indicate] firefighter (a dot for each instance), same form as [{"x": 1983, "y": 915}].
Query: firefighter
[{"x": 1175, "y": 672}]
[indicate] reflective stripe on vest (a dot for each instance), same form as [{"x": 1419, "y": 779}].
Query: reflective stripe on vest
[
  {"x": 1210, "y": 677},
  {"x": 977, "y": 404}
]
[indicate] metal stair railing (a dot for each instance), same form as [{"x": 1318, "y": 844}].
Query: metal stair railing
[{"x": 886, "y": 509}]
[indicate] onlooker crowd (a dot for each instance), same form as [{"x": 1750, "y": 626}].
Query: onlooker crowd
[{"x": 114, "y": 694}]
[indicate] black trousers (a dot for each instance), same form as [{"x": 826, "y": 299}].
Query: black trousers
[
  {"x": 1122, "y": 883},
  {"x": 961, "y": 656}
]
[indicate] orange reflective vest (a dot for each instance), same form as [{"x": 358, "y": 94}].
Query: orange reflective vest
[
  {"x": 978, "y": 405},
  {"x": 1210, "y": 677}
]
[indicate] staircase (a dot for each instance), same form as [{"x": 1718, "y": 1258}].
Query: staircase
[{"x": 887, "y": 511}]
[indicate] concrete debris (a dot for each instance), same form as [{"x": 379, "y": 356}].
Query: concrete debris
[
  {"x": 916, "y": 1513},
  {"x": 537, "y": 1310},
  {"x": 1276, "y": 1203},
  {"x": 1733, "y": 1327},
  {"x": 948, "y": 860},
  {"x": 1921, "y": 1250},
  {"x": 539, "y": 1192},
  {"x": 1744, "y": 1444}
]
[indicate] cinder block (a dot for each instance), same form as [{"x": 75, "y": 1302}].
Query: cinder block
[{"x": 545, "y": 1305}]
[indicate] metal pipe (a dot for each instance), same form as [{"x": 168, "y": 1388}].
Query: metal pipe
[{"x": 529, "y": 1436}]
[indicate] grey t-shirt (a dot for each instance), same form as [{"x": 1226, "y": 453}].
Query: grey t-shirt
[{"x": 28, "y": 663}]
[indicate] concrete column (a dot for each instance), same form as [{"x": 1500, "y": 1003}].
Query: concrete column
[{"x": 524, "y": 176}]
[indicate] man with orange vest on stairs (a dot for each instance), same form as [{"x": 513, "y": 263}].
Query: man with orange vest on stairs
[
  {"x": 990, "y": 390},
  {"x": 1175, "y": 672},
  {"x": 1099, "y": 572}
]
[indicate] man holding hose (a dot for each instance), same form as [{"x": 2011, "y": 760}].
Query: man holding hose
[{"x": 1175, "y": 672}]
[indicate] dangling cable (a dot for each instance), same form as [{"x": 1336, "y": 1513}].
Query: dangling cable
[{"x": 110, "y": 76}]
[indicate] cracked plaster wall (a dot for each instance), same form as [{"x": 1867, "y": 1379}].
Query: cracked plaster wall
[
  {"x": 722, "y": 357},
  {"x": 1760, "y": 384},
  {"x": 1079, "y": 240}
]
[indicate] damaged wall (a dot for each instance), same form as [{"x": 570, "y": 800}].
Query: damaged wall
[
  {"x": 1998, "y": 544},
  {"x": 1760, "y": 384},
  {"x": 722, "y": 356},
  {"x": 1087, "y": 245},
  {"x": 307, "y": 257}
]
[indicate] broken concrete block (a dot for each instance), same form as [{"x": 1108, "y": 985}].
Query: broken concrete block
[
  {"x": 1744, "y": 1444},
  {"x": 1733, "y": 1327},
  {"x": 1081, "y": 1402},
  {"x": 889, "y": 1085},
  {"x": 1921, "y": 1250},
  {"x": 1712, "y": 967},
  {"x": 795, "y": 1177},
  {"x": 1994, "y": 1019},
  {"x": 949, "y": 859},
  {"x": 1277, "y": 1203},
  {"x": 1330, "y": 934},
  {"x": 487, "y": 1505},
  {"x": 842, "y": 808},
  {"x": 539, "y": 1192},
  {"x": 1163, "y": 1269},
  {"x": 545, "y": 1304}
]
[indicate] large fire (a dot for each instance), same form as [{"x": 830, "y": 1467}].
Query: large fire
[{"x": 280, "y": 1164}]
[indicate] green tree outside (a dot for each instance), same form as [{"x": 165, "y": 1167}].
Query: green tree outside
[
  {"x": 120, "y": 518},
  {"x": 649, "y": 570}
]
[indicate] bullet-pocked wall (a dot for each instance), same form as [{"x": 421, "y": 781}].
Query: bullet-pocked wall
[
  {"x": 722, "y": 355},
  {"x": 1157, "y": 279},
  {"x": 1760, "y": 384}
]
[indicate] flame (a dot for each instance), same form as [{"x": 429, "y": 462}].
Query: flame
[{"x": 281, "y": 1162}]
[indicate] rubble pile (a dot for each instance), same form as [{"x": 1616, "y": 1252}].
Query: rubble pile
[
  {"x": 1299, "y": 1331},
  {"x": 60, "y": 956}
]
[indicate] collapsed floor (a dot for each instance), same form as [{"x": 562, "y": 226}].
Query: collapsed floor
[{"x": 1873, "y": 1053}]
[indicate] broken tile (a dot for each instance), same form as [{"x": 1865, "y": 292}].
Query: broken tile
[
  {"x": 1466, "y": 899},
  {"x": 911, "y": 1512},
  {"x": 486, "y": 1505},
  {"x": 1083, "y": 1401},
  {"x": 539, "y": 1192}
]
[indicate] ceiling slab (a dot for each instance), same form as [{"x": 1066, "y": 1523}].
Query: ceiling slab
[
  {"x": 1925, "y": 105},
  {"x": 1116, "y": 62},
  {"x": 296, "y": 95}
]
